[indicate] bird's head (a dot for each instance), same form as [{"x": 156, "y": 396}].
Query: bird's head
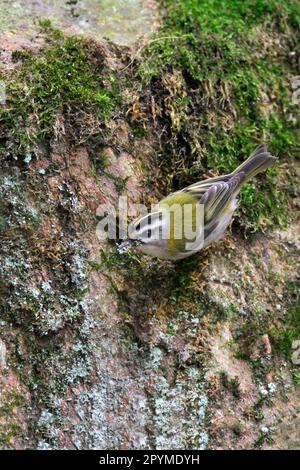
[{"x": 162, "y": 233}]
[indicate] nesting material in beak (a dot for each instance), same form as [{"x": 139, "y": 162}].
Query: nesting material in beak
[{"x": 125, "y": 246}]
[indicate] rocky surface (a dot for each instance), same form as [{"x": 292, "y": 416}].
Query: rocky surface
[
  {"x": 121, "y": 21},
  {"x": 128, "y": 363}
]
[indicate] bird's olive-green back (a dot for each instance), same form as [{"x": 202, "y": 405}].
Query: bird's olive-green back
[{"x": 182, "y": 208}]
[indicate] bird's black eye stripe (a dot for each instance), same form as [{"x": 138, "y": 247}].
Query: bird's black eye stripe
[
  {"x": 160, "y": 225},
  {"x": 138, "y": 227},
  {"x": 149, "y": 231}
]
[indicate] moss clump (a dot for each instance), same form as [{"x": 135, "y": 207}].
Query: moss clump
[
  {"x": 287, "y": 329},
  {"x": 284, "y": 336},
  {"x": 231, "y": 384},
  {"x": 60, "y": 87},
  {"x": 218, "y": 72},
  {"x": 12, "y": 401},
  {"x": 10, "y": 428}
]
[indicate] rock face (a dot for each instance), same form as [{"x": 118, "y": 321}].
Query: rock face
[
  {"x": 131, "y": 362},
  {"x": 99, "y": 350},
  {"x": 119, "y": 20}
]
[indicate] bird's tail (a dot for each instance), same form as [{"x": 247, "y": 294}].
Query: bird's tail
[{"x": 258, "y": 161}]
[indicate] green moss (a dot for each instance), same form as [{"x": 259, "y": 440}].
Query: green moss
[
  {"x": 12, "y": 400},
  {"x": 61, "y": 84},
  {"x": 234, "y": 58},
  {"x": 119, "y": 182},
  {"x": 9, "y": 425},
  {"x": 283, "y": 336},
  {"x": 241, "y": 355},
  {"x": 223, "y": 17},
  {"x": 7, "y": 433},
  {"x": 231, "y": 384},
  {"x": 128, "y": 261},
  {"x": 183, "y": 286},
  {"x": 287, "y": 329},
  {"x": 296, "y": 378}
]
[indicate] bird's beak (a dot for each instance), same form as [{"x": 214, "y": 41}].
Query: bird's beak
[{"x": 123, "y": 247}]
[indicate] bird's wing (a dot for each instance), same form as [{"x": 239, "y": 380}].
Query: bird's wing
[
  {"x": 199, "y": 188},
  {"x": 258, "y": 161},
  {"x": 218, "y": 195}
]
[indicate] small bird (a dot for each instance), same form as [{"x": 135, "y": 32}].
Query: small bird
[{"x": 194, "y": 217}]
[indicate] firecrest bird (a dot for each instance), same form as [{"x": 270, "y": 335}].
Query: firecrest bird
[{"x": 191, "y": 219}]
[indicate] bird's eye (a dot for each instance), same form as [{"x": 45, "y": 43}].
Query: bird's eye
[{"x": 138, "y": 227}]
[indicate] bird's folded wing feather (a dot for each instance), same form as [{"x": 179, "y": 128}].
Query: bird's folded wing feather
[
  {"x": 258, "y": 160},
  {"x": 216, "y": 198},
  {"x": 199, "y": 188}
]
